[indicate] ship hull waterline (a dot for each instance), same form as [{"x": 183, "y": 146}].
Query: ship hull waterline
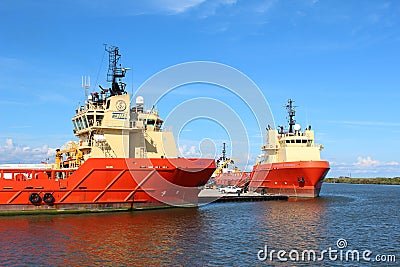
[
  {"x": 300, "y": 179},
  {"x": 106, "y": 185}
]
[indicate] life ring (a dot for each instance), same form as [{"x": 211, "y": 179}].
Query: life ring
[
  {"x": 35, "y": 199},
  {"x": 48, "y": 199}
]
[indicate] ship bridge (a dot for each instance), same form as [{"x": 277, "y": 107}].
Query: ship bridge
[
  {"x": 291, "y": 145},
  {"x": 107, "y": 126}
]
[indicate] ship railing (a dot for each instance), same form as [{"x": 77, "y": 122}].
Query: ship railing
[
  {"x": 25, "y": 175},
  {"x": 270, "y": 147},
  {"x": 97, "y": 106},
  {"x": 106, "y": 148},
  {"x": 84, "y": 109},
  {"x": 294, "y": 134}
]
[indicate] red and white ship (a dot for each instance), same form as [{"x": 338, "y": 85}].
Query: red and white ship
[
  {"x": 291, "y": 165},
  {"x": 227, "y": 173},
  {"x": 122, "y": 160}
]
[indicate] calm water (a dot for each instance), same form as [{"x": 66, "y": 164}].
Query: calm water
[{"x": 225, "y": 234}]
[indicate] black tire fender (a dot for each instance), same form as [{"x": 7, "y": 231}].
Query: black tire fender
[
  {"x": 35, "y": 199},
  {"x": 48, "y": 198}
]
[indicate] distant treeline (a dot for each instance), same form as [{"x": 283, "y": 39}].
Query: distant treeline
[{"x": 348, "y": 180}]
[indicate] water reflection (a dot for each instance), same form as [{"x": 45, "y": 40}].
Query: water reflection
[
  {"x": 221, "y": 234},
  {"x": 295, "y": 225},
  {"x": 152, "y": 237}
]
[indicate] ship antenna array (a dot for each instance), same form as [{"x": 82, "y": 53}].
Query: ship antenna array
[
  {"x": 114, "y": 71},
  {"x": 86, "y": 85},
  {"x": 224, "y": 151},
  {"x": 292, "y": 112}
]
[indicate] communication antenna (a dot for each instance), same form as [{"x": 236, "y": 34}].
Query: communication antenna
[
  {"x": 224, "y": 151},
  {"x": 86, "y": 85},
  {"x": 115, "y": 72},
  {"x": 291, "y": 112},
  {"x": 307, "y": 121}
]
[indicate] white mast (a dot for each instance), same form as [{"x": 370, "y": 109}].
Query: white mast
[{"x": 86, "y": 85}]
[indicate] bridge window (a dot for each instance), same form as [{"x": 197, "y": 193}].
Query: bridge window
[
  {"x": 79, "y": 123},
  {"x": 99, "y": 118},
  {"x": 83, "y": 119},
  {"x": 151, "y": 122},
  {"x": 90, "y": 119},
  {"x": 75, "y": 124}
]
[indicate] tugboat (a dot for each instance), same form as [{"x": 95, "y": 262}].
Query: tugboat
[
  {"x": 123, "y": 160},
  {"x": 291, "y": 163},
  {"x": 227, "y": 174}
]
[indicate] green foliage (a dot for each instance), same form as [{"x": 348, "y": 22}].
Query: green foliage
[{"x": 379, "y": 180}]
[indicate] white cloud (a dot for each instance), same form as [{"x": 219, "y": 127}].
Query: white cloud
[
  {"x": 182, "y": 149},
  {"x": 192, "y": 150},
  {"x": 9, "y": 143},
  {"x": 365, "y": 167},
  {"x": 370, "y": 163},
  {"x": 188, "y": 151},
  {"x": 367, "y": 162},
  {"x": 15, "y": 153},
  {"x": 178, "y": 6}
]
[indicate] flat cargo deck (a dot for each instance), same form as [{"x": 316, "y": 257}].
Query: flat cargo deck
[{"x": 213, "y": 195}]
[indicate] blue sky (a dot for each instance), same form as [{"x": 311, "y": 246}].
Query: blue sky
[{"x": 339, "y": 60}]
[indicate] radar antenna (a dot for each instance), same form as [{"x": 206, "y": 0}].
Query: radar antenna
[
  {"x": 291, "y": 111},
  {"x": 114, "y": 71}
]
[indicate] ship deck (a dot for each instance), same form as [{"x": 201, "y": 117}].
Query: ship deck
[{"x": 214, "y": 196}]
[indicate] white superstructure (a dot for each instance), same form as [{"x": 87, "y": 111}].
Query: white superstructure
[
  {"x": 107, "y": 126},
  {"x": 291, "y": 145}
]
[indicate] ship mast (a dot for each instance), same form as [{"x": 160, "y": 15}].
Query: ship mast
[
  {"x": 223, "y": 151},
  {"x": 114, "y": 71},
  {"x": 291, "y": 111}
]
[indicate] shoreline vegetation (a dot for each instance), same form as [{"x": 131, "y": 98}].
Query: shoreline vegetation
[{"x": 349, "y": 180}]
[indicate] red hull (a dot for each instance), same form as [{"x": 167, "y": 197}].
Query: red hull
[
  {"x": 237, "y": 179},
  {"x": 294, "y": 179},
  {"x": 107, "y": 184}
]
